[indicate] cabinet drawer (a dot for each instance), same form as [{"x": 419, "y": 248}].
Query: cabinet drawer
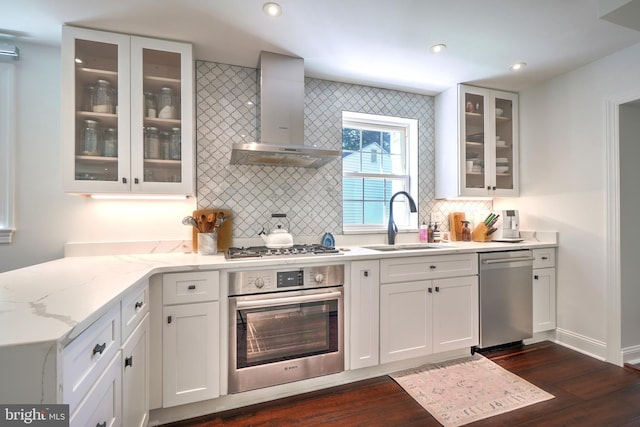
[
  {"x": 544, "y": 258},
  {"x": 102, "y": 406},
  {"x": 86, "y": 357},
  {"x": 427, "y": 267},
  {"x": 180, "y": 288},
  {"x": 135, "y": 305}
]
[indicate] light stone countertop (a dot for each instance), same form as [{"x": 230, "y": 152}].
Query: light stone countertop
[{"x": 56, "y": 300}]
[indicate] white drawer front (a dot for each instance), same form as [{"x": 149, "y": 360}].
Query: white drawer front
[
  {"x": 134, "y": 306},
  {"x": 180, "y": 288},
  {"x": 394, "y": 270},
  {"x": 86, "y": 357},
  {"x": 102, "y": 406},
  {"x": 544, "y": 258}
]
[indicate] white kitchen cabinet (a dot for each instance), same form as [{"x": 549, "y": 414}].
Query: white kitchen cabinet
[
  {"x": 365, "y": 314},
  {"x": 477, "y": 146},
  {"x": 105, "y": 77},
  {"x": 135, "y": 376},
  {"x": 405, "y": 321},
  {"x": 428, "y": 305},
  {"x": 544, "y": 290},
  {"x": 190, "y": 338}
]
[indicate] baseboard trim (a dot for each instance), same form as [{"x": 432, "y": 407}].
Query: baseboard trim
[
  {"x": 631, "y": 355},
  {"x": 589, "y": 346}
]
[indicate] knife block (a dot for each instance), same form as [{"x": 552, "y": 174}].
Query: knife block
[{"x": 479, "y": 234}]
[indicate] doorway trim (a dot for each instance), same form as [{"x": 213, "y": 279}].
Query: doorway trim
[{"x": 613, "y": 273}]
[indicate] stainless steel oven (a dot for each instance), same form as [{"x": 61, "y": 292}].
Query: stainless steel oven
[{"x": 285, "y": 325}]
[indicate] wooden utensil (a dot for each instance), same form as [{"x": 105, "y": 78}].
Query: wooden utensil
[{"x": 225, "y": 236}]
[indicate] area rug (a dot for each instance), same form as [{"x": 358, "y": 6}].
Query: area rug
[{"x": 462, "y": 391}]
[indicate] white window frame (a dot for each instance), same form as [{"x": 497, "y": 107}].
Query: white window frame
[
  {"x": 7, "y": 120},
  {"x": 411, "y": 161}
]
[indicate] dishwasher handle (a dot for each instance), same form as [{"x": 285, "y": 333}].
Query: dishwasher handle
[{"x": 501, "y": 260}]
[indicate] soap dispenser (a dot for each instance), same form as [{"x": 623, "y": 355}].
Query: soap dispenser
[
  {"x": 436, "y": 233},
  {"x": 423, "y": 232}
]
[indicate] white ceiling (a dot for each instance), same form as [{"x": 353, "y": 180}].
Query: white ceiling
[{"x": 383, "y": 44}]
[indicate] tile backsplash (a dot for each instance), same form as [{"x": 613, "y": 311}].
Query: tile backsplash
[{"x": 227, "y": 98}]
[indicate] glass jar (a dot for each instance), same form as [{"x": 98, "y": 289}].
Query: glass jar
[
  {"x": 104, "y": 98},
  {"x": 90, "y": 138},
  {"x": 166, "y": 104},
  {"x": 175, "y": 141},
  {"x": 150, "y": 105},
  {"x": 110, "y": 143},
  {"x": 152, "y": 143},
  {"x": 89, "y": 98},
  {"x": 164, "y": 145}
]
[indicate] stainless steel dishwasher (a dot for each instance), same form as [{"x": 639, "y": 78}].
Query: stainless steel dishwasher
[{"x": 506, "y": 312}]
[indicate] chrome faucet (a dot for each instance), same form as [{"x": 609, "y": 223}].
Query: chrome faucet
[{"x": 393, "y": 229}]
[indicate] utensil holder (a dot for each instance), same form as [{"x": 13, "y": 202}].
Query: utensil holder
[
  {"x": 208, "y": 243},
  {"x": 479, "y": 234}
]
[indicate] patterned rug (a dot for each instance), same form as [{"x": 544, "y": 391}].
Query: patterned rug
[{"x": 462, "y": 391}]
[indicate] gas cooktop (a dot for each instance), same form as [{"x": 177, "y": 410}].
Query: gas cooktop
[{"x": 264, "y": 252}]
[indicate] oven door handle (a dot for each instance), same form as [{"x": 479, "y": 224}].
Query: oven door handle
[{"x": 287, "y": 300}]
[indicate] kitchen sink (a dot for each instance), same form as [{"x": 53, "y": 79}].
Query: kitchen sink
[{"x": 405, "y": 247}]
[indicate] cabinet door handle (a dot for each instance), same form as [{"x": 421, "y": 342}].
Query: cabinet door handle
[
  {"x": 536, "y": 277},
  {"x": 437, "y": 288},
  {"x": 365, "y": 273},
  {"x": 99, "y": 348},
  {"x": 494, "y": 188},
  {"x": 433, "y": 267},
  {"x": 430, "y": 290},
  {"x": 128, "y": 361},
  {"x": 138, "y": 305},
  {"x": 136, "y": 181},
  {"x": 191, "y": 287},
  {"x": 544, "y": 258},
  {"x": 124, "y": 180},
  {"x": 102, "y": 424},
  {"x": 169, "y": 319}
]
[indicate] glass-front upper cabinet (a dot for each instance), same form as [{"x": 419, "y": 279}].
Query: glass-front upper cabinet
[
  {"x": 127, "y": 121},
  {"x": 476, "y": 143}
]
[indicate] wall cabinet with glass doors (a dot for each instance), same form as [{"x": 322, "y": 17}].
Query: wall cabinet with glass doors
[
  {"x": 476, "y": 143},
  {"x": 127, "y": 115}
]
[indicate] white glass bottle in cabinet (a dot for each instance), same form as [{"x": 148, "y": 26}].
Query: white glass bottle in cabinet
[
  {"x": 106, "y": 80},
  {"x": 476, "y": 143}
]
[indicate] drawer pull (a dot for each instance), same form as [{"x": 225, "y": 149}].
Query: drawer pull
[
  {"x": 102, "y": 424},
  {"x": 138, "y": 305},
  {"x": 128, "y": 361},
  {"x": 544, "y": 258},
  {"x": 433, "y": 267},
  {"x": 536, "y": 277},
  {"x": 99, "y": 348},
  {"x": 191, "y": 287}
]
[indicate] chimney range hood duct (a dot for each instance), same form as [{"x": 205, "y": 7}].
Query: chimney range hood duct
[{"x": 281, "y": 119}]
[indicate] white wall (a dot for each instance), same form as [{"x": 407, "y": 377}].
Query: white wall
[
  {"x": 46, "y": 218},
  {"x": 563, "y": 182}
]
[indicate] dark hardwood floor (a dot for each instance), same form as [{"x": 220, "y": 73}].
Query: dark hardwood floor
[{"x": 587, "y": 393}]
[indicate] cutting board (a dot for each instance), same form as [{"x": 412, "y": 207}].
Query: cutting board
[
  {"x": 225, "y": 238},
  {"x": 455, "y": 225}
]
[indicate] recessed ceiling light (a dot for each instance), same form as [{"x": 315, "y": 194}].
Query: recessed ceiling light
[
  {"x": 272, "y": 9},
  {"x": 437, "y": 48},
  {"x": 517, "y": 66}
]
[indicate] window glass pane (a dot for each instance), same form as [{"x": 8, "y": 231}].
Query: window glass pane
[
  {"x": 375, "y": 213},
  {"x": 351, "y": 139},
  {"x": 374, "y": 189},
  {"x": 351, "y": 161},
  {"x": 352, "y": 188},
  {"x": 352, "y": 213}
]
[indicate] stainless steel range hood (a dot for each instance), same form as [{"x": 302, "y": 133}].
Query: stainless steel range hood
[{"x": 281, "y": 119}]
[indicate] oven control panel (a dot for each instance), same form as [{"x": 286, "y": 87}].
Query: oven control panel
[{"x": 263, "y": 281}]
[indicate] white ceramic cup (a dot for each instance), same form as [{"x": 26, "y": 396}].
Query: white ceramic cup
[
  {"x": 208, "y": 243},
  {"x": 469, "y": 166}
]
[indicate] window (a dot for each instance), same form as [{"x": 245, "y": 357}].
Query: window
[
  {"x": 6, "y": 151},
  {"x": 379, "y": 158}
]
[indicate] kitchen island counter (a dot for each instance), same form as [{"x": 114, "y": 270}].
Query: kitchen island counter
[{"x": 56, "y": 300}]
